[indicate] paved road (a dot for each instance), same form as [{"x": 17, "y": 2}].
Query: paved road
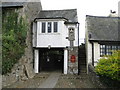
[{"x": 51, "y": 81}]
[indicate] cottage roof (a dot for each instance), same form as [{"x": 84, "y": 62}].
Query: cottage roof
[
  {"x": 68, "y": 14},
  {"x": 103, "y": 28}
]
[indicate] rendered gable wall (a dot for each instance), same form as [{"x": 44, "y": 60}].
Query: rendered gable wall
[{"x": 53, "y": 39}]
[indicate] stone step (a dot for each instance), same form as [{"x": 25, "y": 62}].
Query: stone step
[
  {"x": 82, "y": 60},
  {"x": 82, "y": 50},
  {"x": 83, "y": 70},
  {"x": 82, "y": 53},
  {"x": 83, "y": 63},
  {"x": 82, "y": 57}
]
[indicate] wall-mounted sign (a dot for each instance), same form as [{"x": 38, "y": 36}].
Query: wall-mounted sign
[
  {"x": 72, "y": 58},
  {"x": 71, "y": 34}
]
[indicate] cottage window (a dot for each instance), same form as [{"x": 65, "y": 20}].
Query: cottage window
[
  {"x": 55, "y": 26},
  {"x": 43, "y": 27},
  {"x": 49, "y": 27},
  {"x": 107, "y": 49},
  {"x": 102, "y": 49},
  {"x": 118, "y": 47},
  {"x": 114, "y": 47}
]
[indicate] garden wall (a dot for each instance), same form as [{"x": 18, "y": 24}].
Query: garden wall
[{"x": 93, "y": 77}]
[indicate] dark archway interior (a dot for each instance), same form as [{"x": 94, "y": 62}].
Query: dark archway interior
[{"x": 51, "y": 59}]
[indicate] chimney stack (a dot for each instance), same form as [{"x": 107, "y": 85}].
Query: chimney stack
[{"x": 113, "y": 14}]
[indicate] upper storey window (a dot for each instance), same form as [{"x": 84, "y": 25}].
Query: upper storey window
[
  {"x": 55, "y": 26},
  {"x": 43, "y": 27},
  {"x": 49, "y": 27},
  {"x": 46, "y": 27}
]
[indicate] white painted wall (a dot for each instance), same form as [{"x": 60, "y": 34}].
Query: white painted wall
[
  {"x": 89, "y": 52},
  {"x": 36, "y": 63},
  {"x": 88, "y": 47},
  {"x": 96, "y": 52},
  {"x": 65, "y": 61},
  {"x": 54, "y": 39}
]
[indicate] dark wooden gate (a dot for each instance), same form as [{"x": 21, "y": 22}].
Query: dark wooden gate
[{"x": 51, "y": 59}]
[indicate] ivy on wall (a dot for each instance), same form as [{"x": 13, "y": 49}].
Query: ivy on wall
[{"x": 14, "y": 30}]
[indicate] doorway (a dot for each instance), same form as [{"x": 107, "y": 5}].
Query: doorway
[{"x": 51, "y": 59}]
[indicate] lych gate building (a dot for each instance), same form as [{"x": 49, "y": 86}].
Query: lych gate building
[{"x": 55, "y": 41}]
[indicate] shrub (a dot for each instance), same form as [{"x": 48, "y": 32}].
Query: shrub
[
  {"x": 108, "y": 66},
  {"x": 14, "y": 30}
]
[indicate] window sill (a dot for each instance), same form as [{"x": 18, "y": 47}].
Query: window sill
[{"x": 49, "y": 34}]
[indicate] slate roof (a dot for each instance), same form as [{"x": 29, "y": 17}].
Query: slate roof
[
  {"x": 16, "y": 3},
  {"x": 68, "y": 14},
  {"x": 103, "y": 28}
]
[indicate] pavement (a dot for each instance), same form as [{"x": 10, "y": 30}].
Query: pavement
[
  {"x": 56, "y": 79},
  {"x": 51, "y": 81}
]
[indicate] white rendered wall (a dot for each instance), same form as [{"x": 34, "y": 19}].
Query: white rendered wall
[
  {"x": 89, "y": 52},
  {"x": 96, "y": 53},
  {"x": 65, "y": 61},
  {"x": 36, "y": 61},
  {"x": 88, "y": 47},
  {"x": 55, "y": 39}
]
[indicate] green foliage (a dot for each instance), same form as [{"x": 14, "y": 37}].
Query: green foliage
[
  {"x": 14, "y": 30},
  {"x": 109, "y": 66}
]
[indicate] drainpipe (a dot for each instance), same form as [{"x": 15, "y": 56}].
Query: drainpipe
[
  {"x": 92, "y": 53},
  {"x": 78, "y": 49},
  {"x": 78, "y": 34}
]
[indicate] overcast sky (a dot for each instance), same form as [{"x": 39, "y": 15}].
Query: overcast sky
[{"x": 84, "y": 7}]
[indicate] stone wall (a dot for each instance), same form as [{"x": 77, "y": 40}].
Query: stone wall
[
  {"x": 24, "y": 68},
  {"x": 93, "y": 77},
  {"x": 73, "y": 66}
]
